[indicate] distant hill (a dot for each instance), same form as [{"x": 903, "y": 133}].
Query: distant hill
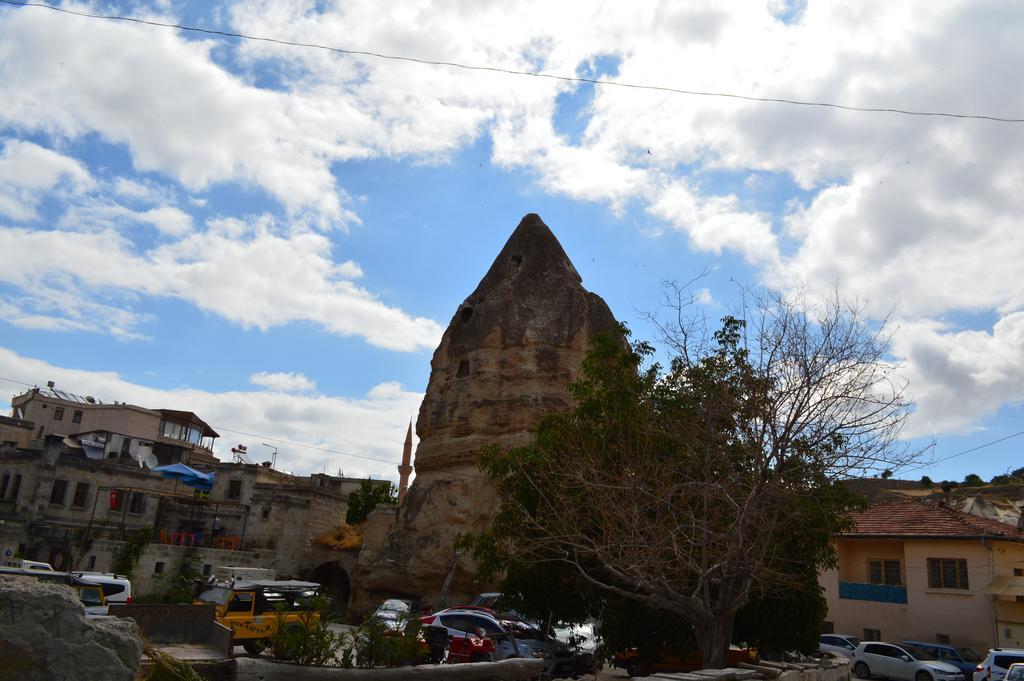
[{"x": 997, "y": 502}]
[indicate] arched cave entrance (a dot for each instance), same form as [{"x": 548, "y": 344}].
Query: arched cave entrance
[{"x": 334, "y": 580}]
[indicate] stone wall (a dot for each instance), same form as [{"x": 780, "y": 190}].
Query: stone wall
[
  {"x": 828, "y": 669},
  {"x": 251, "y": 669}
]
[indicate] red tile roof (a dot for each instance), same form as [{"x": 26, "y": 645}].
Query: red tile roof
[{"x": 925, "y": 519}]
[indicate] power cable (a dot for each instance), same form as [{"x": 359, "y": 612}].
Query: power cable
[
  {"x": 515, "y": 72},
  {"x": 961, "y": 453}
]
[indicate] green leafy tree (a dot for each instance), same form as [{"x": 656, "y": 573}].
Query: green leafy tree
[
  {"x": 972, "y": 480},
  {"x": 180, "y": 585},
  {"x": 681, "y": 489},
  {"x": 926, "y": 481},
  {"x": 370, "y": 494}
]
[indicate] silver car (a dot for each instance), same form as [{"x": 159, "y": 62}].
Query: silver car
[
  {"x": 900, "y": 662},
  {"x": 838, "y": 644}
]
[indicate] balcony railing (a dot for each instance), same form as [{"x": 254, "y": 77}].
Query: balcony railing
[{"x": 879, "y": 593}]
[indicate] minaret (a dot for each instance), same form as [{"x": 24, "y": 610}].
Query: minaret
[{"x": 406, "y": 468}]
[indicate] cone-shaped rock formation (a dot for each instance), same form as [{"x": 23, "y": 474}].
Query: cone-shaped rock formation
[{"x": 505, "y": 360}]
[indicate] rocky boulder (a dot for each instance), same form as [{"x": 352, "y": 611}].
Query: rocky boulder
[{"x": 45, "y": 636}]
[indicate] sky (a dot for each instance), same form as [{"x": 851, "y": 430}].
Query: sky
[{"x": 275, "y": 237}]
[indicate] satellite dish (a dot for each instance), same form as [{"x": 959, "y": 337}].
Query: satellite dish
[
  {"x": 150, "y": 460},
  {"x": 240, "y": 455}
]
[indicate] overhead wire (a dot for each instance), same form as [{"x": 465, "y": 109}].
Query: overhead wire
[{"x": 515, "y": 72}]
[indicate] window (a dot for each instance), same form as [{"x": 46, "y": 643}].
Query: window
[
  {"x": 58, "y": 414},
  {"x": 266, "y": 512},
  {"x": 884, "y": 572},
  {"x": 240, "y": 602},
  {"x": 1018, "y": 572},
  {"x": 947, "y": 573},
  {"x": 81, "y": 495},
  {"x": 137, "y": 503},
  {"x": 77, "y": 416},
  {"x": 234, "y": 489},
  {"x": 60, "y": 487},
  {"x": 207, "y": 568},
  {"x": 874, "y": 635},
  {"x": 158, "y": 568},
  {"x": 126, "y": 447},
  {"x": 4, "y": 481},
  {"x": 15, "y": 487},
  {"x": 91, "y": 564},
  {"x": 829, "y": 628}
]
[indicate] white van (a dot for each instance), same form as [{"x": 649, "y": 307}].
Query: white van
[
  {"x": 29, "y": 565},
  {"x": 116, "y": 588}
]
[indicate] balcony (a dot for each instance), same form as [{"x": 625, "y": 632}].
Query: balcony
[{"x": 879, "y": 593}]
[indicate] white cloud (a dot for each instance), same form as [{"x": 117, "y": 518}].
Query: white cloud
[
  {"x": 254, "y": 273},
  {"x": 288, "y": 382},
  {"x": 913, "y": 212},
  {"x": 370, "y": 426},
  {"x": 27, "y": 170},
  {"x": 960, "y": 377}
]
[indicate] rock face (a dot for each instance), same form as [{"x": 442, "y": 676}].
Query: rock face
[
  {"x": 45, "y": 635},
  {"x": 505, "y": 360}
]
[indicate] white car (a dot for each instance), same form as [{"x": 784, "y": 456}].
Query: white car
[
  {"x": 997, "y": 663},
  {"x": 1015, "y": 672},
  {"x": 900, "y": 662},
  {"x": 116, "y": 588},
  {"x": 838, "y": 644}
]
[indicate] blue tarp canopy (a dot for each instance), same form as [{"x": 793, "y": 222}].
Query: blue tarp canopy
[{"x": 187, "y": 475}]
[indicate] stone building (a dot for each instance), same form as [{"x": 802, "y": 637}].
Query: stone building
[
  {"x": 121, "y": 429},
  {"x": 505, "y": 360},
  {"x": 73, "y": 504}
]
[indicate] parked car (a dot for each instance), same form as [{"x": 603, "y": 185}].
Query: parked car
[
  {"x": 900, "y": 662},
  {"x": 559, "y": 661},
  {"x": 250, "y": 608},
  {"x": 116, "y": 588},
  {"x": 392, "y": 621},
  {"x": 462, "y": 623},
  {"x": 838, "y": 644},
  {"x": 964, "y": 659},
  {"x": 1015, "y": 672},
  {"x": 582, "y": 640},
  {"x": 399, "y": 605},
  {"x": 996, "y": 663}
]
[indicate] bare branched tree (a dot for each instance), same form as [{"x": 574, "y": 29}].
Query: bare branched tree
[{"x": 676, "y": 486}]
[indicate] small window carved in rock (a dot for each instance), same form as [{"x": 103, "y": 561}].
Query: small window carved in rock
[
  {"x": 465, "y": 313},
  {"x": 514, "y": 263},
  {"x": 463, "y": 370}
]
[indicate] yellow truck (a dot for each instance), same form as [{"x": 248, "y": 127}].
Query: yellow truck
[{"x": 252, "y": 609}]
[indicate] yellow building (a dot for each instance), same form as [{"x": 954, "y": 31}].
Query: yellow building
[{"x": 926, "y": 572}]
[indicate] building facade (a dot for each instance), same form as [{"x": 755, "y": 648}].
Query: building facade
[
  {"x": 923, "y": 571},
  {"x": 82, "y": 485}
]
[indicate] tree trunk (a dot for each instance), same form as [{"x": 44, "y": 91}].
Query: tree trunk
[{"x": 713, "y": 638}]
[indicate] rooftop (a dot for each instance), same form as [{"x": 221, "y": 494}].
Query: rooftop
[{"x": 925, "y": 519}]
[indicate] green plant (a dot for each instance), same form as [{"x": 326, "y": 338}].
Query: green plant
[
  {"x": 131, "y": 550},
  {"x": 375, "y": 645},
  {"x": 179, "y": 586},
  {"x": 309, "y": 641},
  {"x": 370, "y": 494}
]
